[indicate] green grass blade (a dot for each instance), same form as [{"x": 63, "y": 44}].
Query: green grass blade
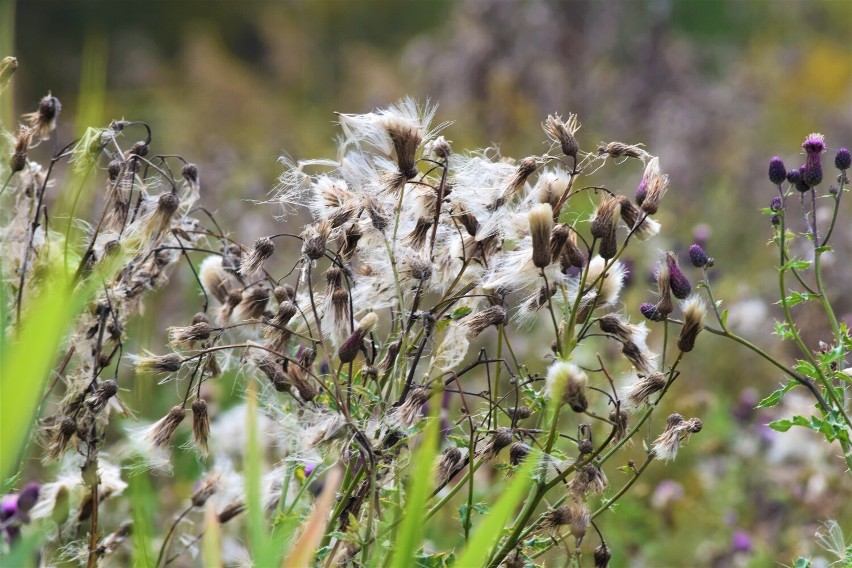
[
  {"x": 142, "y": 499},
  {"x": 422, "y": 467},
  {"x": 489, "y": 531},
  {"x": 258, "y": 537}
]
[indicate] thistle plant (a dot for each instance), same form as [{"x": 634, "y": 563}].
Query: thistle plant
[
  {"x": 803, "y": 241},
  {"x": 383, "y": 359}
]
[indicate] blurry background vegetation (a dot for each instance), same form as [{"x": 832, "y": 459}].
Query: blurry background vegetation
[{"x": 714, "y": 88}]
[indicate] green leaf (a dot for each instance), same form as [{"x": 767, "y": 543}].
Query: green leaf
[
  {"x": 489, "y": 531},
  {"x": 796, "y": 264},
  {"x": 822, "y": 249},
  {"x": 805, "y": 368},
  {"x": 797, "y": 298},
  {"x": 782, "y": 330},
  {"x": 724, "y": 318},
  {"x": 461, "y": 312},
  {"x": 784, "y": 425},
  {"x": 422, "y": 476},
  {"x": 776, "y": 396},
  {"x": 802, "y": 562}
]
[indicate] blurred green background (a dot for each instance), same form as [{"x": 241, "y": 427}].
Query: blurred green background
[{"x": 714, "y": 88}]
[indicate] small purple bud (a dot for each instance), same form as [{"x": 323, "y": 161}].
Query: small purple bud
[
  {"x": 28, "y": 497},
  {"x": 697, "y": 256},
  {"x": 741, "y": 541},
  {"x": 776, "y": 220},
  {"x": 309, "y": 469},
  {"x": 776, "y": 204},
  {"x": 813, "y": 171},
  {"x": 651, "y": 312},
  {"x": 9, "y": 507},
  {"x": 677, "y": 279},
  {"x": 794, "y": 176},
  {"x": 777, "y": 171},
  {"x": 843, "y": 159}
]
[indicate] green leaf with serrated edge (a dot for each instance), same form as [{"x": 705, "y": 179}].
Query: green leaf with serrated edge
[
  {"x": 776, "y": 396},
  {"x": 805, "y": 368},
  {"x": 795, "y": 264},
  {"x": 822, "y": 249}
]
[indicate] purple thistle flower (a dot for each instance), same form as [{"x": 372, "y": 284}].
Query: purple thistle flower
[
  {"x": 28, "y": 497},
  {"x": 814, "y": 146},
  {"x": 641, "y": 191},
  {"x": 651, "y": 312},
  {"x": 697, "y": 256},
  {"x": 794, "y": 176},
  {"x": 777, "y": 171},
  {"x": 843, "y": 159},
  {"x": 677, "y": 279},
  {"x": 9, "y": 507}
]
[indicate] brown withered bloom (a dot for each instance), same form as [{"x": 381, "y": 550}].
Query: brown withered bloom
[
  {"x": 263, "y": 249},
  {"x": 105, "y": 391},
  {"x": 161, "y": 433},
  {"x": 630, "y": 215},
  {"x": 390, "y": 357},
  {"x": 619, "y": 418},
  {"x": 590, "y": 479},
  {"x": 297, "y": 375},
  {"x": 639, "y": 393},
  {"x": 284, "y": 293},
  {"x": 315, "y": 238},
  {"x": 200, "y": 424},
  {"x": 252, "y": 303},
  {"x": 665, "y": 305},
  {"x": 622, "y": 150},
  {"x": 563, "y": 132},
  {"x": 602, "y": 556},
  {"x": 558, "y": 237},
  {"x": 409, "y": 412},
  {"x": 418, "y": 235},
  {"x": 169, "y": 363},
  {"x": 467, "y": 219},
  {"x": 657, "y": 186},
  {"x": 276, "y": 330},
  {"x": 604, "y": 221},
  {"x": 609, "y": 245},
  {"x": 526, "y": 168},
  {"x": 518, "y": 453},
  {"x": 571, "y": 254},
  {"x": 206, "y": 490},
  {"x": 519, "y": 413},
  {"x": 351, "y": 238},
  {"x": 575, "y": 514},
  {"x": 65, "y": 430},
  {"x": 23, "y": 141},
  {"x": 541, "y": 227},
  {"x": 43, "y": 120},
  {"x": 498, "y": 440},
  {"x": 540, "y": 300},
  {"x": 693, "y": 322},
  {"x": 676, "y": 434},
  {"x": 479, "y": 322},
  {"x": 447, "y": 463},
  {"x": 187, "y": 336},
  {"x": 230, "y": 511}
]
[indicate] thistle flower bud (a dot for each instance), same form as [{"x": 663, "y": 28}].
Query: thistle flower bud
[
  {"x": 571, "y": 382},
  {"x": 169, "y": 363},
  {"x": 200, "y": 425},
  {"x": 561, "y": 233},
  {"x": 162, "y": 432},
  {"x": 43, "y": 120},
  {"x": 189, "y": 172},
  {"x": 604, "y": 221},
  {"x": 777, "y": 171},
  {"x": 28, "y": 497},
  {"x": 440, "y": 148},
  {"x": 609, "y": 245},
  {"x": 541, "y": 226},
  {"x": 656, "y": 186},
  {"x": 801, "y": 185},
  {"x": 252, "y": 304},
  {"x": 350, "y": 348},
  {"x": 563, "y": 132},
  {"x": 697, "y": 256},
  {"x": 187, "y": 336},
  {"x": 519, "y": 413},
  {"x": 447, "y": 463},
  {"x": 602, "y": 556},
  {"x": 65, "y": 430},
  {"x": 651, "y": 312},
  {"x": 571, "y": 254},
  {"x": 479, "y": 322},
  {"x": 639, "y": 393},
  {"x": 776, "y": 204},
  {"x": 105, "y": 391},
  {"x": 680, "y": 285},
  {"x": 315, "y": 238},
  {"x": 498, "y": 440},
  {"x": 8, "y": 66},
  {"x": 693, "y": 322},
  {"x": 230, "y": 511},
  {"x": 630, "y": 215},
  {"x": 843, "y": 159},
  {"x": 284, "y": 293},
  {"x": 585, "y": 447},
  {"x": 262, "y": 250},
  {"x": 23, "y": 141},
  {"x": 664, "y": 286},
  {"x": 518, "y": 453}
]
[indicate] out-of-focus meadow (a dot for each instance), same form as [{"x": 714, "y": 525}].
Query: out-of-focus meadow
[{"x": 713, "y": 88}]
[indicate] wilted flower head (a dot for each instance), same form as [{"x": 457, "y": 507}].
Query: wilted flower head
[
  {"x": 693, "y": 322},
  {"x": 569, "y": 382},
  {"x": 676, "y": 434},
  {"x": 43, "y": 120},
  {"x": 639, "y": 393},
  {"x": 169, "y": 363},
  {"x": 563, "y": 132},
  {"x": 262, "y": 250}
]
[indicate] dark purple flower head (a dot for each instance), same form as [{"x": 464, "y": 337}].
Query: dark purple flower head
[
  {"x": 843, "y": 159},
  {"x": 794, "y": 176},
  {"x": 677, "y": 279},
  {"x": 651, "y": 312},
  {"x": 776, "y": 204},
  {"x": 777, "y": 171},
  {"x": 814, "y": 146},
  {"x": 28, "y": 497},
  {"x": 802, "y": 185},
  {"x": 741, "y": 541},
  {"x": 814, "y": 143},
  {"x": 697, "y": 256},
  {"x": 776, "y": 220}
]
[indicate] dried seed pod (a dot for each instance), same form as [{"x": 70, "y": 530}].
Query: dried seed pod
[
  {"x": 200, "y": 424},
  {"x": 693, "y": 322},
  {"x": 162, "y": 432},
  {"x": 541, "y": 227}
]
